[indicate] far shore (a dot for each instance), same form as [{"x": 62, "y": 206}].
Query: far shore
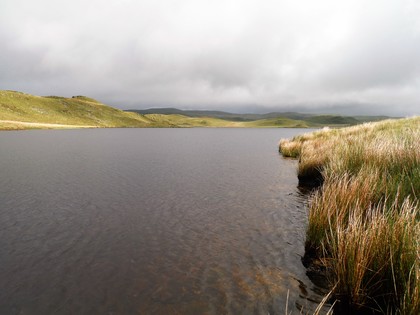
[
  {"x": 20, "y": 111},
  {"x": 23, "y": 125}
]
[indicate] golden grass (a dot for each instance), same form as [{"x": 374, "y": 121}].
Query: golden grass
[
  {"x": 372, "y": 255},
  {"x": 364, "y": 220}
]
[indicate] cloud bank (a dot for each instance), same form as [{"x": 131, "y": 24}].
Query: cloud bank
[{"x": 237, "y": 55}]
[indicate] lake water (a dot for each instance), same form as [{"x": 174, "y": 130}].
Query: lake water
[{"x": 151, "y": 221}]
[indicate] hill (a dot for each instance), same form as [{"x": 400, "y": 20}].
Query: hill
[
  {"x": 284, "y": 119},
  {"x": 76, "y": 111},
  {"x": 332, "y": 120},
  {"x": 219, "y": 114},
  {"x": 24, "y": 111}
]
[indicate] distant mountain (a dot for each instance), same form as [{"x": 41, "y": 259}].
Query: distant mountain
[
  {"x": 197, "y": 113},
  {"x": 334, "y": 120},
  {"x": 221, "y": 114},
  {"x": 310, "y": 119}
]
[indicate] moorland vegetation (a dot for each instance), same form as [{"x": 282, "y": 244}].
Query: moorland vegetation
[{"x": 364, "y": 220}]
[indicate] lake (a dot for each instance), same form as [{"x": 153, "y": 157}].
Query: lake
[{"x": 151, "y": 221}]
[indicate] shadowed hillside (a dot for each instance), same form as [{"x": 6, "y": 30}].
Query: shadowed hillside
[{"x": 284, "y": 119}]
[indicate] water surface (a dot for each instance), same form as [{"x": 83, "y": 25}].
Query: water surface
[{"x": 150, "y": 221}]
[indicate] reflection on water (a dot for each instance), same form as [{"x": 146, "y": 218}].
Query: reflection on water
[{"x": 151, "y": 221}]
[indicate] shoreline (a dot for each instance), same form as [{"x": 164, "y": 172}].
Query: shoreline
[
  {"x": 364, "y": 228},
  {"x": 9, "y": 125}
]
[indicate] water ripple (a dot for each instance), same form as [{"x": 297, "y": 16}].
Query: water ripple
[{"x": 141, "y": 221}]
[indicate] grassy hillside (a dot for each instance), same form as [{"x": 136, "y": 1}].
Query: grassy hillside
[
  {"x": 332, "y": 120},
  {"x": 23, "y": 111},
  {"x": 199, "y": 113},
  {"x": 277, "y": 122},
  {"x": 364, "y": 221},
  {"x": 80, "y": 111},
  {"x": 308, "y": 119},
  {"x": 175, "y": 120}
]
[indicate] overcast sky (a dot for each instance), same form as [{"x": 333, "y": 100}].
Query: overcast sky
[{"x": 236, "y": 55}]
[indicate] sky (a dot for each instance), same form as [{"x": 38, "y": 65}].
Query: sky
[{"x": 352, "y": 57}]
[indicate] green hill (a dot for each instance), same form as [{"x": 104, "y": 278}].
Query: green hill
[
  {"x": 283, "y": 119},
  {"x": 221, "y": 114},
  {"x": 24, "y": 111},
  {"x": 277, "y": 122},
  {"x": 332, "y": 120},
  {"x": 79, "y": 110},
  {"x": 181, "y": 121}
]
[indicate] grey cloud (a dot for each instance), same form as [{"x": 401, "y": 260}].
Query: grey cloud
[
  {"x": 384, "y": 55},
  {"x": 232, "y": 55}
]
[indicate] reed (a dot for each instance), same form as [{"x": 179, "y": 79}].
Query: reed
[{"x": 364, "y": 219}]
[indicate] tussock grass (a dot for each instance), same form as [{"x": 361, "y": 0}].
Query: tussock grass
[
  {"x": 373, "y": 258},
  {"x": 364, "y": 219}
]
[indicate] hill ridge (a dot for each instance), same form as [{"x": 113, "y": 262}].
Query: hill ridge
[
  {"x": 19, "y": 110},
  {"x": 315, "y": 119}
]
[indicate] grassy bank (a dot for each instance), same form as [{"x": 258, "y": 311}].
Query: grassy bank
[{"x": 364, "y": 223}]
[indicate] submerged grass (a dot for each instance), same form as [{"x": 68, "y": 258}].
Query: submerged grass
[{"x": 364, "y": 220}]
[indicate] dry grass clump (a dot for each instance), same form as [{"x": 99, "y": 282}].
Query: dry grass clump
[
  {"x": 374, "y": 258},
  {"x": 364, "y": 220},
  {"x": 330, "y": 205},
  {"x": 290, "y": 148}
]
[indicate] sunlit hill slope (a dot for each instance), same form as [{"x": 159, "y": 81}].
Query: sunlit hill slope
[{"x": 24, "y": 111}]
